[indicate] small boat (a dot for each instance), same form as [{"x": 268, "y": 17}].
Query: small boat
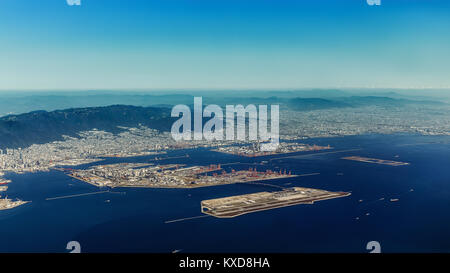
[
  {"x": 176, "y": 250},
  {"x": 394, "y": 200}
]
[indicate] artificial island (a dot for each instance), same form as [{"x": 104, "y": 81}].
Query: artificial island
[
  {"x": 233, "y": 206},
  {"x": 169, "y": 175}
]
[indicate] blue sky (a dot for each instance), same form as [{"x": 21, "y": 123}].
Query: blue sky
[{"x": 223, "y": 44}]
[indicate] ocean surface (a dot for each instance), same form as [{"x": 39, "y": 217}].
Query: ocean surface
[{"x": 134, "y": 220}]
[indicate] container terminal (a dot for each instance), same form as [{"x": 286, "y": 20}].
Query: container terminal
[
  {"x": 169, "y": 175},
  {"x": 254, "y": 150}
]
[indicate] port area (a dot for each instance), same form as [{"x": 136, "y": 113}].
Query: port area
[
  {"x": 375, "y": 161},
  {"x": 233, "y": 206},
  {"x": 168, "y": 176},
  {"x": 254, "y": 150},
  {"x": 6, "y": 203}
]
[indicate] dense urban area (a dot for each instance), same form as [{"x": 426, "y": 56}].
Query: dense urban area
[{"x": 91, "y": 145}]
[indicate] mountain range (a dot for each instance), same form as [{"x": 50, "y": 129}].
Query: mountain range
[
  {"x": 42, "y": 127},
  {"x": 22, "y": 130}
]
